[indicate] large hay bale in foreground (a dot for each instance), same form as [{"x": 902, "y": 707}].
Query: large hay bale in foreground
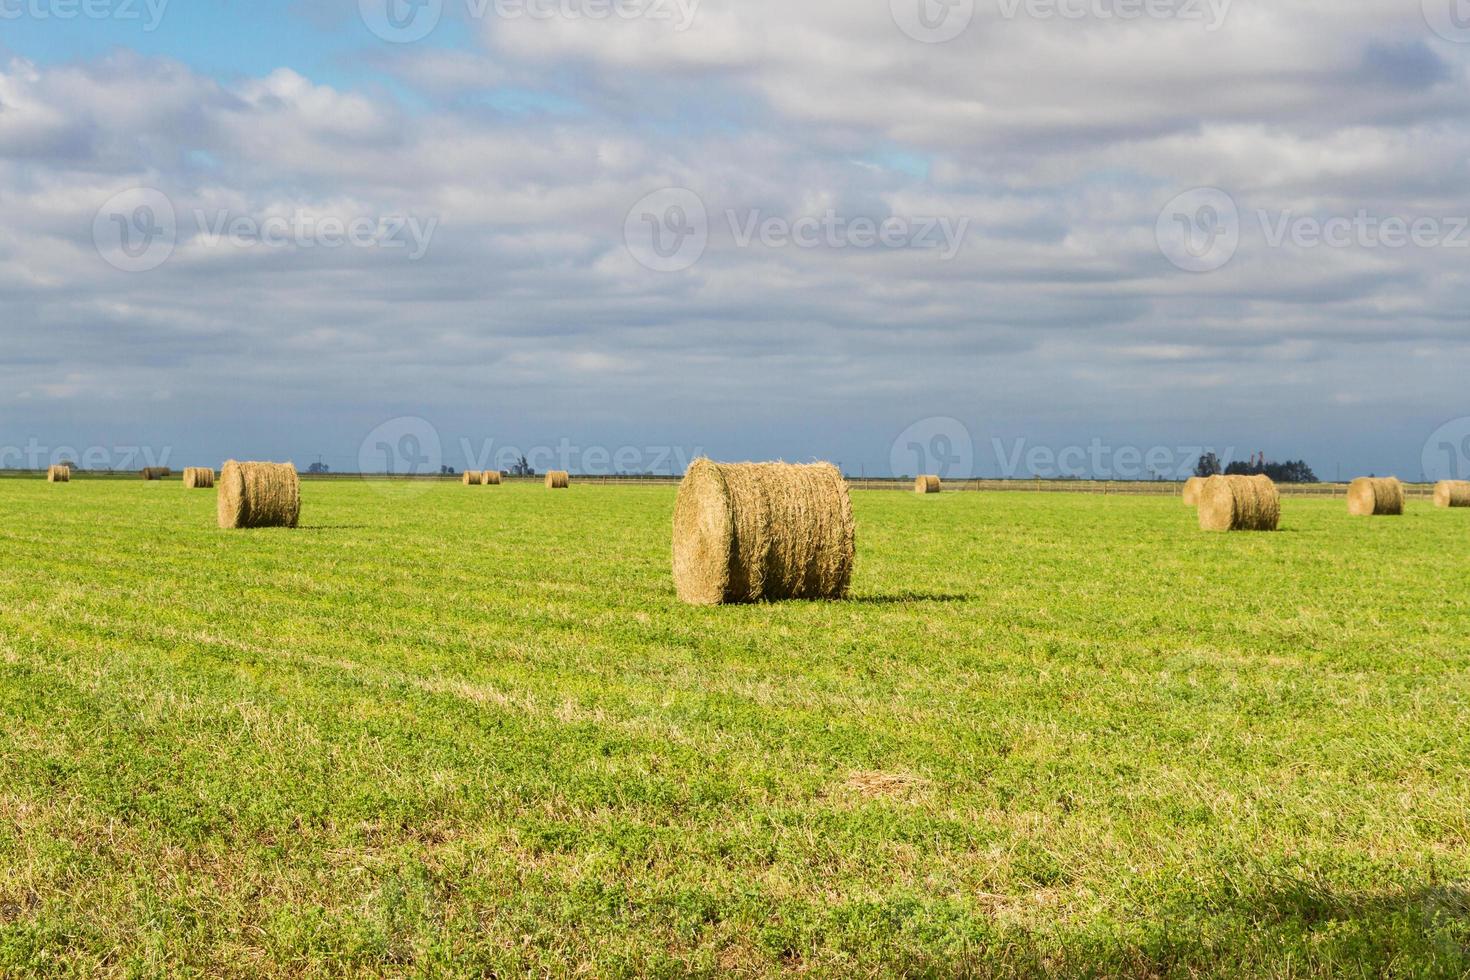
[
  {"x": 927, "y": 484},
  {"x": 471, "y": 478},
  {"x": 58, "y": 474},
  {"x": 1239, "y": 503},
  {"x": 259, "y": 495},
  {"x": 157, "y": 472},
  {"x": 747, "y": 532},
  {"x": 490, "y": 478},
  {"x": 1452, "y": 493},
  {"x": 1381, "y": 497},
  {"x": 198, "y": 477},
  {"x": 1192, "y": 488},
  {"x": 558, "y": 480}
]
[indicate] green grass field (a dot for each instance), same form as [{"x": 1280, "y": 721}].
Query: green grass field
[{"x": 448, "y": 730}]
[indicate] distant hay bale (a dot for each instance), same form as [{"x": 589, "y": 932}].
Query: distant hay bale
[
  {"x": 1239, "y": 503},
  {"x": 259, "y": 495},
  {"x": 58, "y": 474},
  {"x": 490, "y": 478},
  {"x": 1370, "y": 497},
  {"x": 198, "y": 478},
  {"x": 927, "y": 484},
  {"x": 471, "y": 478},
  {"x": 558, "y": 480},
  {"x": 1192, "y": 488},
  {"x": 1452, "y": 493},
  {"x": 157, "y": 472},
  {"x": 747, "y": 532}
]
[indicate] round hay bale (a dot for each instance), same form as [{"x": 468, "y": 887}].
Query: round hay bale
[
  {"x": 927, "y": 484},
  {"x": 1370, "y": 497},
  {"x": 259, "y": 495},
  {"x": 490, "y": 478},
  {"x": 558, "y": 480},
  {"x": 471, "y": 478},
  {"x": 198, "y": 478},
  {"x": 747, "y": 532},
  {"x": 58, "y": 474},
  {"x": 157, "y": 472},
  {"x": 1192, "y": 488},
  {"x": 1239, "y": 503},
  {"x": 1452, "y": 493}
]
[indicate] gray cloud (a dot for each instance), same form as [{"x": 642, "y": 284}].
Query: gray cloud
[{"x": 1059, "y": 318}]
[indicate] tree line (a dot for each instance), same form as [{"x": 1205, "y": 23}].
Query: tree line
[{"x": 1291, "y": 471}]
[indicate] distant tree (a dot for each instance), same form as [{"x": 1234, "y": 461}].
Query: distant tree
[
  {"x": 1292, "y": 471},
  {"x": 522, "y": 468},
  {"x": 318, "y": 468},
  {"x": 1208, "y": 465}
]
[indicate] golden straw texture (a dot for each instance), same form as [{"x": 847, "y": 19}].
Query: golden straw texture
[
  {"x": 1452, "y": 493},
  {"x": 1239, "y": 503},
  {"x": 198, "y": 478},
  {"x": 927, "y": 484},
  {"x": 747, "y": 532},
  {"x": 259, "y": 495},
  {"x": 1369, "y": 497}
]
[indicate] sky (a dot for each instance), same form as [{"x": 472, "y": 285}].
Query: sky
[{"x": 976, "y": 237}]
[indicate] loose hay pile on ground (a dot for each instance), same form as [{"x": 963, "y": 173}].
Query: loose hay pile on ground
[
  {"x": 198, "y": 477},
  {"x": 490, "y": 478},
  {"x": 157, "y": 472},
  {"x": 1192, "y": 488},
  {"x": 745, "y": 532},
  {"x": 1370, "y": 497},
  {"x": 259, "y": 495},
  {"x": 1239, "y": 503},
  {"x": 558, "y": 480},
  {"x": 58, "y": 474},
  {"x": 1452, "y": 493},
  {"x": 927, "y": 484},
  {"x": 471, "y": 478}
]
